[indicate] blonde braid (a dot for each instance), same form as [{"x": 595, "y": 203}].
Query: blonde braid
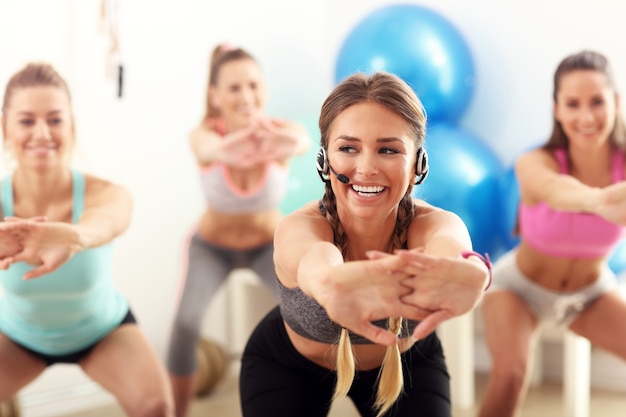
[
  {"x": 390, "y": 378},
  {"x": 345, "y": 355},
  {"x": 346, "y": 365}
]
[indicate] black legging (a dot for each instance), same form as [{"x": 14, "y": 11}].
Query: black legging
[{"x": 276, "y": 380}]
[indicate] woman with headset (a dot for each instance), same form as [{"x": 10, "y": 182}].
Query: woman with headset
[{"x": 365, "y": 274}]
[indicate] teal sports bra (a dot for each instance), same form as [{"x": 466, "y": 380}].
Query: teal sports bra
[{"x": 68, "y": 309}]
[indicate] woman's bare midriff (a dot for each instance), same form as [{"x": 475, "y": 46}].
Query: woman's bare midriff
[
  {"x": 238, "y": 231},
  {"x": 369, "y": 356},
  {"x": 557, "y": 274}
]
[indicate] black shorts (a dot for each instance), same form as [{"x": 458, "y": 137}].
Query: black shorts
[
  {"x": 73, "y": 357},
  {"x": 276, "y": 380}
]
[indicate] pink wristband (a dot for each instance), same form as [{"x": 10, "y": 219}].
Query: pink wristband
[{"x": 467, "y": 253}]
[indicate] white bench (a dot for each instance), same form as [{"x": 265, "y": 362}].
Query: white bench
[{"x": 457, "y": 337}]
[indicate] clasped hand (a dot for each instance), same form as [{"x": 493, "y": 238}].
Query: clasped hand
[
  {"x": 613, "y": 203},
  {"x": 260, "y": 143},
  {"x": 46, "y": 245},
  {"x": 409, "y": 284}
]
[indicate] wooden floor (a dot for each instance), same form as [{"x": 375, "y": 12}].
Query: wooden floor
[{"x": 542, "y": 401}]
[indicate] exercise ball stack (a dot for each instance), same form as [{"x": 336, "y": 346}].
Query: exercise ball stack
[
  {"x": 464, "y": 178},
  {"x": 427, "y": 51},
  {"x": 509, "y": 202},
  {"x": 421, "y": 47}
]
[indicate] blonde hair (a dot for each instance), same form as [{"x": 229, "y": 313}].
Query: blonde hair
[{"x": 391, "y": 92}]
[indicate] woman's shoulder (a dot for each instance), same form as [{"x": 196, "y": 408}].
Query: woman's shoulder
[
  {"x": 96, "y": 185},
  {"x": 539, "y": 156},
  {"x": 428, "y": 214},
  {"x": 311, "y": 210},
  {"x": 94, "y": 180},
  {"x": 423, "y": 207},
  {"x": 432, "y": 221},
  {"x": 216, "y": 125},
  {"x": 309, "y": 215},
  {"x": 304, "y": 221}
]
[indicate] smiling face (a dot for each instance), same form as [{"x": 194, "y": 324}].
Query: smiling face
[
  {"x": 374, "y": 147},
  {"x": 239, "y": 93},
  {"x": 38, "y": 128},
  {"x": 586, "y": 108}
]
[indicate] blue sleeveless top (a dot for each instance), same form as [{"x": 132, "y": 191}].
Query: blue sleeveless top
[{"x": 68, "y": 309}]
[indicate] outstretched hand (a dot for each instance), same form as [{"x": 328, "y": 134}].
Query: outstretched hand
[
  {"x": 259, "y": 143},
  {"x": 11, "y": 239},
  {"x": 364, "y": 291},
  {"x": 441, "y": 287},
  {"x": 47, "y": 245},
  {"x": 240, "y": 149},
  {"x": 275, "y": 143},
  {"x": 613, "y": 207}
]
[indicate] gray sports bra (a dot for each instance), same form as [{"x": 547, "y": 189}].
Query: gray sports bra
[
  {"x": 309, "y": 319},
  {"x": 223, "y": 195}
]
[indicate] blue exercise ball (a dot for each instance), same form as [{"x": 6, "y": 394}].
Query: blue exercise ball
[
  {"x": 463, "y": 178},
  {"x": 617, "y": 260},
  {"x": 421, "y": 47},
  {"x": 304, "y": 183},
  {"x": 509, "y": 207}
]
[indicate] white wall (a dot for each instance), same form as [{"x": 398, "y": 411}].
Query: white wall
[{"x": 140, "y": 140}]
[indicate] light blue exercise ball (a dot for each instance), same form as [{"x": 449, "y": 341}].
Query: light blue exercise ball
[
  {"x": 463, "y": 178},
  {"x": 509, "y": 198},
  {"x": 617, "y": 260},
  {"x": 421, "y": 47},
  {"x": 303, "y": 183}
]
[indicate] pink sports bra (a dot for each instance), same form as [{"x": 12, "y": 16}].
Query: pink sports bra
[{"x": 570, "y": 234}]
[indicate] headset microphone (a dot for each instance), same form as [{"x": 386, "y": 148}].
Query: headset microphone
[
  {"x": 323, "y": 167},
  {"x": 342, "y": 178}
]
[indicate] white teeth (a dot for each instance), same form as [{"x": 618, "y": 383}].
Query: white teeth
[{"x": 367, "y": 189}]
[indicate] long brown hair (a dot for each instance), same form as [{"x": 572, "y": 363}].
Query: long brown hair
[
  {"x": 391, "y": 92},
  {"x": 221, "y": 55},
  {"x": 588, "y": 61}
]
